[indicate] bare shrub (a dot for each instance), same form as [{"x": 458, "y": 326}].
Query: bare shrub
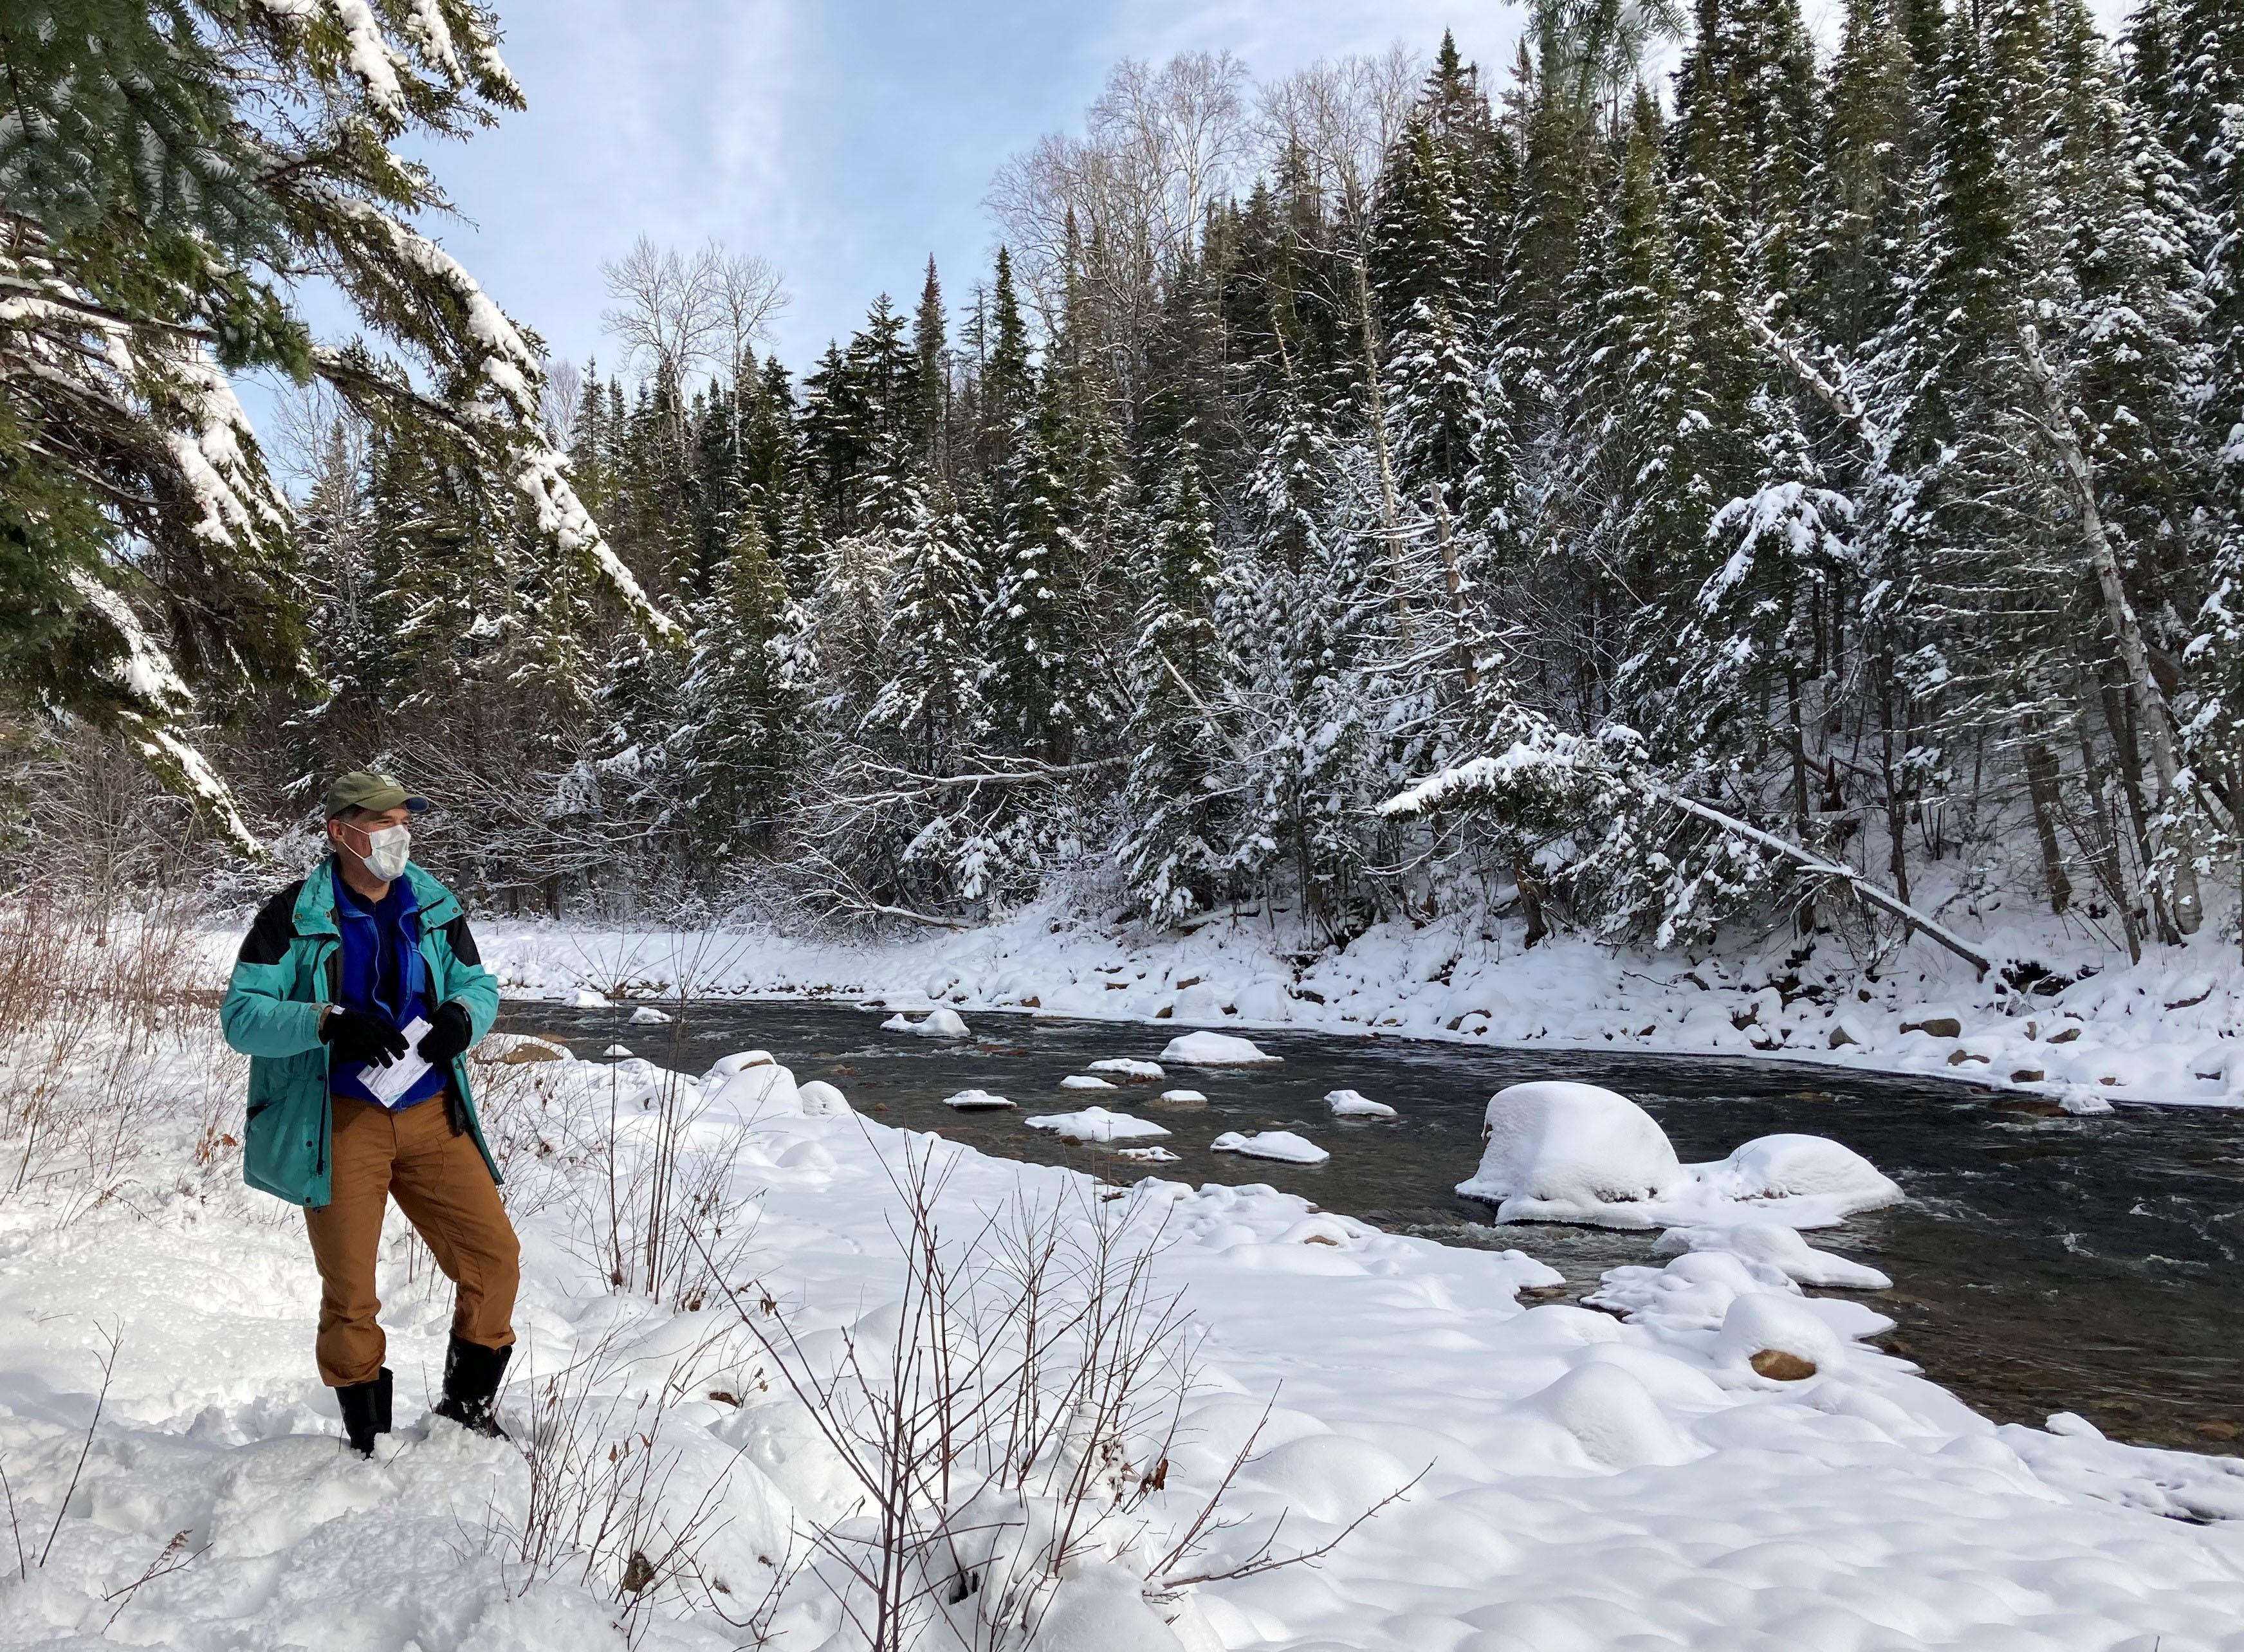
[
  {"x": 1018, "y": 1424},
  {"x": 95, "y": 1009},
  {"x": 604, "y": 1504},
  {"x": 655, "y": 1210}
]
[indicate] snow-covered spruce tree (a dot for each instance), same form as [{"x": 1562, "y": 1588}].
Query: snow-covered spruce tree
[
  {"x": 1736, "y": 665},
  {"x": 738, "y": 734},
  {"x": 152, "y": 182},
  {"x": 1176, "y": 847}
]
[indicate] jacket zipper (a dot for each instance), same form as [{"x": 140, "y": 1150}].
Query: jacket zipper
[{"x": 333, "y": 962}]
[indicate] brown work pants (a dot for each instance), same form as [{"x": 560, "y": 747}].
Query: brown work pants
[{"x": 442, "y": 1183}]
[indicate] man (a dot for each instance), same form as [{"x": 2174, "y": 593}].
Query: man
[{"x": 339, "y": 971}]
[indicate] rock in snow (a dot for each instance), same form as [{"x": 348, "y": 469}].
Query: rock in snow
[
  {"x": 585, "y": 998},
  {"x": 1080, "y": 1081},
  {"x": 1215, "y": 1049},
  {"x": 617, "y": 1052},
  {"x": 1282, "y": 1145},
  {"x": 975, "y": 1100},
  {"x": 648, "y": 1015},
  {"x": 938, "y": 1023},
  {"x": 1565, "y": 1152},
  {"x": 1348, "y": 1103},
  {"x": 1096, "y": 1124}
]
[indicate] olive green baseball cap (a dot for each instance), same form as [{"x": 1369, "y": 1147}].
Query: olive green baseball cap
[{"x": 364, "y": 789}]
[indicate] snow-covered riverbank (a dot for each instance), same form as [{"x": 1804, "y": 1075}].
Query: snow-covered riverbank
[
  {"x": 1589, "y": 1481},
  {"x": 2090, "y": 1032}
]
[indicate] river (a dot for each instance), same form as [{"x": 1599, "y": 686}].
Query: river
[{"x": 2042, "y": 1262}]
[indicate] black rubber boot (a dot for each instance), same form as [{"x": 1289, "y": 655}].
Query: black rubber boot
[
  {"x": 366, "y": 1412},
  {"x": 471, "y": 1379}
]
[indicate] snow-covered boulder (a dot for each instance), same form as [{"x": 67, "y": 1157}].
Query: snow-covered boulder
[
  {"x": 648, "y": 1015},
  {"x": 618, "y": 1052},
  {"x": 1559, "y": 1151},
  {"x": 1199, "y": 1002},
  {"x": 740, "y": 1061},
  {"x": 585, "y": 998},
  {"x": 975, "y": 1100},
  {"x": 939, "y": 1022},
  {"x": 1083, "y": 1081},
  {"x": 1096, "y": 1124},
  {"x": 1564, "y": 1152},
  {"x": 1348, "y": 1103},
  {"x": 1774, "y": 1245},
  {"x": 1215, "y": 1049},
  {"x": 1282, "y": 1145},
  {"x": 821, "y": 1100},
  {"x": 520, "y": 1049},
  {"x": 1181, "y": 1098},
  {"x": 1146, "y": 1155},
  {"x": 1613, "y": 1417},
  {"x": 1775, "y": 1335},
  {"x": 1124, "y": 1071},
  {"x": 749, "y": 1087},
  {"x": 1799, "y": 1167}
]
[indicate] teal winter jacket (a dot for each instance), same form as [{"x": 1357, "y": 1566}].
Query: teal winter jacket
[{"x": 287, "y": 968}]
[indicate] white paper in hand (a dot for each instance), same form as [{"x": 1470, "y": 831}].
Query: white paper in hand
[{"x": 387, "y": 1083}]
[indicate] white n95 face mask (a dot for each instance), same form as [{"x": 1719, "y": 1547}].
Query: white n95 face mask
[{"x": 386, "y": 851}]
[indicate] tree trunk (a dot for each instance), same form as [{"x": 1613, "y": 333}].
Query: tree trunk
[
  {"x": 2042, "y": 785},
  {"x": 2112, "y": 868},
  {"x": 2153, "y": 717}
]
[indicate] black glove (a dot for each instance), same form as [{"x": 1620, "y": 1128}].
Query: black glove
[
  {"x": 357, "y": 1037},
  {"x": 448, "y": 1036}
]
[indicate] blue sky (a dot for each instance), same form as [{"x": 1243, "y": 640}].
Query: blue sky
[{"x": 846, "y": 142}]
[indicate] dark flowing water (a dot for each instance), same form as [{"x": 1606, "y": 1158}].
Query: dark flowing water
[{"x": 2042, "y": 1264}]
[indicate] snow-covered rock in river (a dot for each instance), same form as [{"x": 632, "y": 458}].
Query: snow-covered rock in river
[
  {"x": 1215, "y": 1049},
  {"x": 1128, "y": 1071},
  {"x": 1348, "y": 1103},
  {"x": 1181, "y": 1098},
  {"x": 585, "y": 998},
  {"x": 1777, "y": 1246},
  {"x": 1567, "y": 1152},
  {"x": 1556, "y": 1150},
  {"x": 1146, "y": 1155},
  {"x": 648, "y": 1015},
  {"x": 1081, "y": 1081},
  {"x": 975, "y": 1100},
  {"x": 1282, "y": 1145},
  {"x": 1798, "y": 1167},
  {"x": 1096, "y": 1124},
  {"x": 939, "y": 1022},
  {"x": 618, "y": 1052}
]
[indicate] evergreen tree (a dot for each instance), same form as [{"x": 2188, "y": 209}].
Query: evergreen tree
[{"x": 1175, "y": 847}]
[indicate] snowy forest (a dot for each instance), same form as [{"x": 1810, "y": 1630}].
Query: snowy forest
[{"x": 1405, "y": 484}]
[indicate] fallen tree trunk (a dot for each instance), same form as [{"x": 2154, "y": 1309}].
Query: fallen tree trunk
[{"x": 1875, "y": 894}]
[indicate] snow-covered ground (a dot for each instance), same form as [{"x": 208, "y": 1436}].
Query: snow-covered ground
[
  {"x": 1578, "y": 1480},
  {"x": 2094, "y": 1030}
]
